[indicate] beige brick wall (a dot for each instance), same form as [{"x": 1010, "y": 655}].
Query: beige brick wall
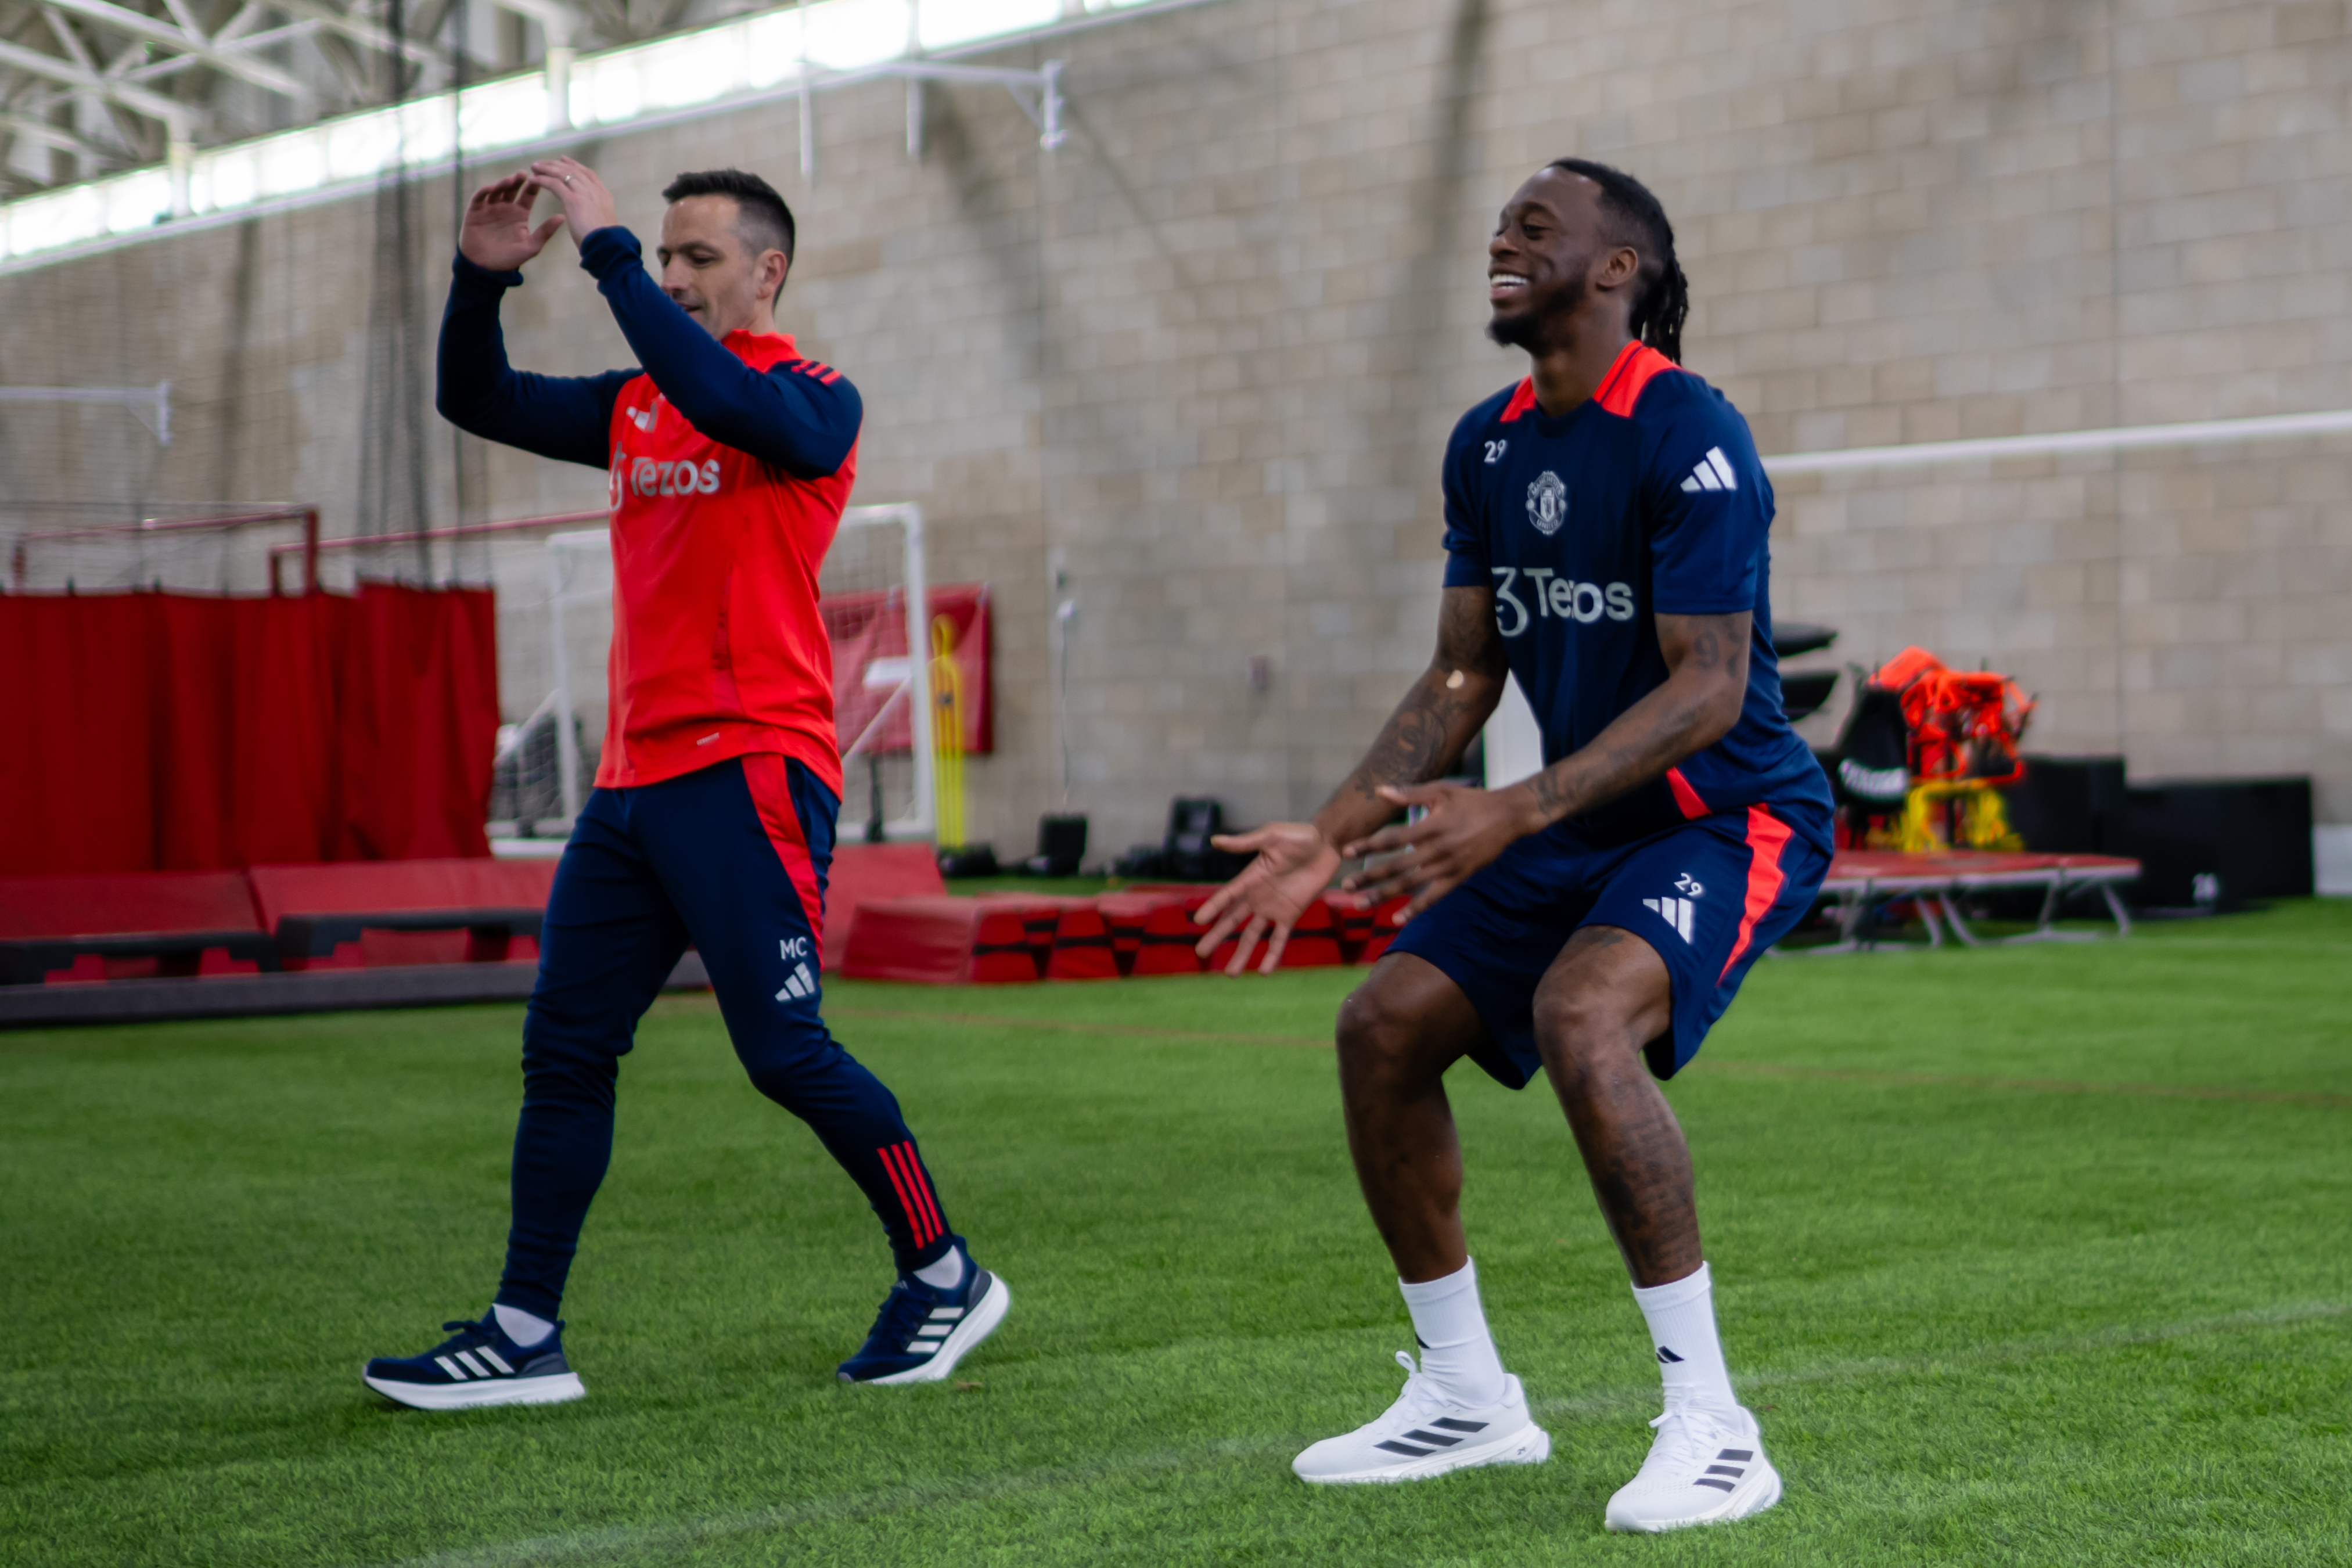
[{"x": 1204, "y": 358}]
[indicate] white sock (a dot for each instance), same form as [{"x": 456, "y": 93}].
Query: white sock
[
  {"x": 946, "y": 1272},
  {"x": 1682, "y": 1329},
  {"x": 1457, "y": 1353},
  {"x": 525, "y": 1328}
]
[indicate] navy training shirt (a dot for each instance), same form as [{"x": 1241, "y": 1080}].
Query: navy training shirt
[{"x": 1646, "y": 500}]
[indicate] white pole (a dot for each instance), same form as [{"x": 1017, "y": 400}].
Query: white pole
[
  {"x": 1513, "y": 738},
  {"x": 2120, "y": 438},
  {"x": 925, "y": 817}
]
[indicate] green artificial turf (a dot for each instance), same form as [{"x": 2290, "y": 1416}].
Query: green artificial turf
[{"x": 2026, "y": 1256}]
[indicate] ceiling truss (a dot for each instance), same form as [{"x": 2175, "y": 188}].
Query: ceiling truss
[{"x": 89, "y": 87}]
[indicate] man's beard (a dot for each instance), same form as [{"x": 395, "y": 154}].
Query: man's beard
[{"x": 1526, "y": 329}]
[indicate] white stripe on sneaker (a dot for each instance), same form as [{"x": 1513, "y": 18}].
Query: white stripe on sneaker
[
  {"x": 450, "y": 1367},
  {"x": 477, "y": 1368},
  {"x": 496, "y": 1360}
]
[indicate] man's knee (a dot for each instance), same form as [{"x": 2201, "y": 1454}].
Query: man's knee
[
  {"x": 562, "y": 1044},
  {"x": 1388, "y": 1036},
  {"x": 1587, "y": 1021}
]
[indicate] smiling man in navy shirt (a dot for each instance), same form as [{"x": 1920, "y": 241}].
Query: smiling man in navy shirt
[{"x": 1605, "y": 525}]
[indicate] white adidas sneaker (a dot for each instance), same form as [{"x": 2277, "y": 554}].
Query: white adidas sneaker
[
  {"x": 1705, "y": 1466},
  {"x": 1423, "y": 1434}
]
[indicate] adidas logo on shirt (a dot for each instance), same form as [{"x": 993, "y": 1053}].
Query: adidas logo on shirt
[
  {"x": 800, "y": 987},
  {"x": 1714, "y": 473},
  {"x": 1676, "y": 912}
]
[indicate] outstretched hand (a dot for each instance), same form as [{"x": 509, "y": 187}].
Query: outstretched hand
[
  {"x": 498, "y": 234},
  {"x": 587, "y": 204},
  {"x": 1464, "y": 829},
  {"x": 1294, "y": 863}
]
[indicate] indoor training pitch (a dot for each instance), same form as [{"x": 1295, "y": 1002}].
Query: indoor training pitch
[{"x": 2027, "y": 1255}]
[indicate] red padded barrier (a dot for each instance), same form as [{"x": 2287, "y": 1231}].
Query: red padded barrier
[
  {"x": 1314, "y": 941},
  {"x": 393, "y": 887},
  {"x": 1083, "y": 949},
  {"x": 1041, "y": 917},
  {"x": 350, "y": 895},
  {"x": 1165, "y": 946},
  {"x": 866, "y": 871},
  {"x": 939, "y": 941},
  {"x": 127, "y": 925},
  {"x": 1123, "y": 916},
  {"x": 1381, "y": 929},
  {"x": 173, "y": 903}
]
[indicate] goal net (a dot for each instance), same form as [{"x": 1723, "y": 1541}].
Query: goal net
[
  {"x": 73, "y": 547},
  {"x": 555, "y": 616}
]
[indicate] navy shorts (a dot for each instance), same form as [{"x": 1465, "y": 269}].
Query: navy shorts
[{"x": 1709, "y": 895}]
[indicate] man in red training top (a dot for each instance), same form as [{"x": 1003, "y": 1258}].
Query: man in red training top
[{"x": 730, "y": 459}]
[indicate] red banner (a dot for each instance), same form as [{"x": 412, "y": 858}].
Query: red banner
[
  {"x": 869, "y": 666},
  {"x": 172, "y": 731}
]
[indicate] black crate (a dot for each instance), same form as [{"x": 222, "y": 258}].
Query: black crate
[{"x": 2251, "y": 836}]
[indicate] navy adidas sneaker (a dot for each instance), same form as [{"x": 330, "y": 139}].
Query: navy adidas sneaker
[
  {"x": 922, "y": 1330},
  {"x": 480, "y": 1366}
]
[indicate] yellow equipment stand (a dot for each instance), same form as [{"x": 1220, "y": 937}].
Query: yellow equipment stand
[
  {"x": 947, "y": 734},
  {"x": 1953, "y": 814}
]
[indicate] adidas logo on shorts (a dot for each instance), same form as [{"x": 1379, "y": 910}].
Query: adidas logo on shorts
[
  {"x": 799, "y": 986},
  {"x": 1676, "y": 912}
]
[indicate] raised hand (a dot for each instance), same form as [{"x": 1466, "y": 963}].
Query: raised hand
[
  {"x": 496, "y": 234},
  {"x": 587, "y": 204},
  {"x": 1294, "y": 863},
  {"x": 1464, "y": 829}
]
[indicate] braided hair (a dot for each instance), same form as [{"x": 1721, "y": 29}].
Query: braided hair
[{"x": 1664, "y": 302}]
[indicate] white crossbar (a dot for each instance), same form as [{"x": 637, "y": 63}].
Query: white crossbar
[{"x": 2120, "y": 438}]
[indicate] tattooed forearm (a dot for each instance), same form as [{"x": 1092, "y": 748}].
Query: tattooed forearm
[
  {"x": 1412, "y": 745},
  {"x": 1706, "y": 661},
  {"x": 1434, "y": 725}
]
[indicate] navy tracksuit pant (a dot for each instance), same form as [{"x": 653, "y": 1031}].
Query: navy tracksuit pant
[{"x": 733, "y": 859}]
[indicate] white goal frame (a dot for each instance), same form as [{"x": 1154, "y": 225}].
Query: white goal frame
[{"x": 914, "y": 690}]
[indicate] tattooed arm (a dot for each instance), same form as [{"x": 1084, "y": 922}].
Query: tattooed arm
[
  {"x": 1432, "y": 726},
  {"x": 1707, "y": 682},
  {"x": 1424, "y": 737}
]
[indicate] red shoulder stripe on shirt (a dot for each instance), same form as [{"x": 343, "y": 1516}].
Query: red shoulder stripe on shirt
[
  {"x": 1620, "y": 389},
  {"x": 1522, "y": 400}
]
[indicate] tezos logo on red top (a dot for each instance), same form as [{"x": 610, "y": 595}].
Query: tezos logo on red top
[{"x": 658, "y": 477}]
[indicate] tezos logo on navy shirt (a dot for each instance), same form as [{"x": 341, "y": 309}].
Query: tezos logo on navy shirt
[{"x": 1555, "y": 595}]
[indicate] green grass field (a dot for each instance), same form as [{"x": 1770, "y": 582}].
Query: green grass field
[{"x": 2029, "y": 1256}]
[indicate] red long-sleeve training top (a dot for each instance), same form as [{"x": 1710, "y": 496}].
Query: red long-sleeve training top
[{"x": 730, "y": 465}]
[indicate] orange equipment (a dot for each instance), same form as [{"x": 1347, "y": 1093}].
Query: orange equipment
[
  {"x": 1964, "y": 732},
  {"x": 1963, "y": 725}
]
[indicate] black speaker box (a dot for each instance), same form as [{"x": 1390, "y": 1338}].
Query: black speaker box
[
  {"x": 1061, "y": 846},
  {"x": 2070, "y": 805},
  {"x": 2251, "y": 837}
]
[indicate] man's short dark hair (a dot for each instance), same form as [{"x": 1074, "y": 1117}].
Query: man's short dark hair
[
  {"x": 766, "y": 223},
  {"x": 1640, "y": 219}
]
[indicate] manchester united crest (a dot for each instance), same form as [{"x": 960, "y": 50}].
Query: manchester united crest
[{"x": 1548, "y": 503}]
